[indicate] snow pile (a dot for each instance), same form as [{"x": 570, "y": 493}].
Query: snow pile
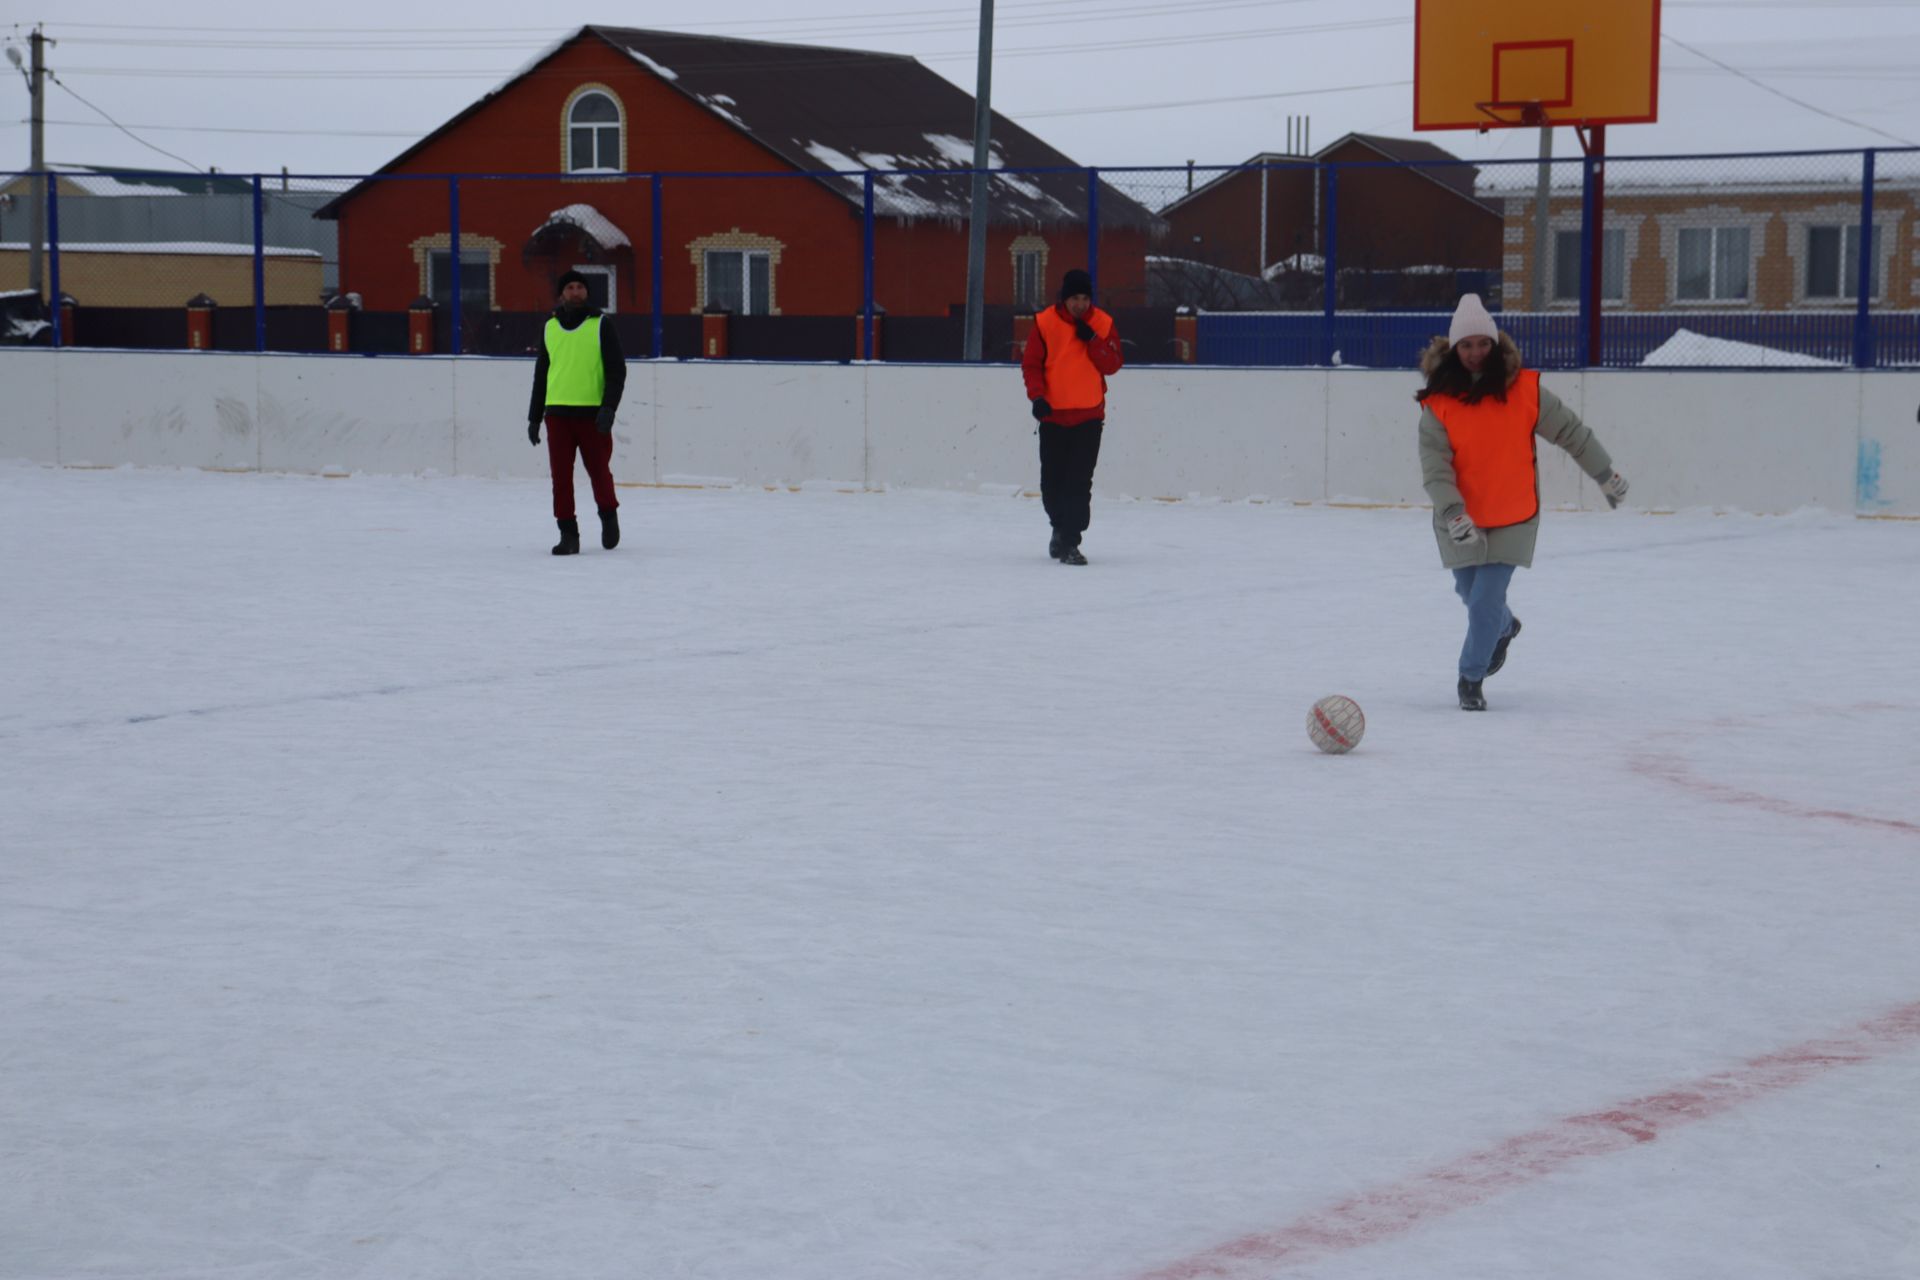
[{"x": 1687, "y": 349}]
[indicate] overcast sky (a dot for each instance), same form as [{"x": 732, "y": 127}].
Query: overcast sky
[{"x": 343, "y": 87}]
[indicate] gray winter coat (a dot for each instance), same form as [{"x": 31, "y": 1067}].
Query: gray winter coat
[{"x": 1511, "y": 544}]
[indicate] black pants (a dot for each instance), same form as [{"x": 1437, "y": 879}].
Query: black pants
[{"x": 1067, "y": 458}]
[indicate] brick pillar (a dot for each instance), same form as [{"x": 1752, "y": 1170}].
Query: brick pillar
[
  {"x": 713, "y": 334},
  {"x": 200, "y": 322},
  {"x": 340, "y": 324},
  {"x": 420, "y": 327},
  {"x": 67, "y": 338},
  {"x": 1186, "y": 335}
]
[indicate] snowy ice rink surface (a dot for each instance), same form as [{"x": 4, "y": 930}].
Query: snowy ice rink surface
[{"x": 831, "y": 887}]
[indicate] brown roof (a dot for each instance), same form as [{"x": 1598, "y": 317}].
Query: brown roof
[
  {"x": 822, "y": 109},
  {"x": 1455, "y": 174}
]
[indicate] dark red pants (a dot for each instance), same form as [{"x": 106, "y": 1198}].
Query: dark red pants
[{"x": 564, "y": 437}]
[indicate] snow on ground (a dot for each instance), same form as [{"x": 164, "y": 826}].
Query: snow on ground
[{"x": 831, "y": 886}]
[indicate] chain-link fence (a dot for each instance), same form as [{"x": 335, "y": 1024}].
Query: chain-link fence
[{"x": 1752, "y": 261}]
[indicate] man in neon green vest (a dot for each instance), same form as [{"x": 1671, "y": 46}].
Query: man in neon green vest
[{"x": 577, "y": 383}]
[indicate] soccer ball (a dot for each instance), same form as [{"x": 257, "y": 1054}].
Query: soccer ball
[{"x": 1336, "y": 724}]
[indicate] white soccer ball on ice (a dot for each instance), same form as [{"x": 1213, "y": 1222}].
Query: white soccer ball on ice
[{"x": 1336, "y": 724}]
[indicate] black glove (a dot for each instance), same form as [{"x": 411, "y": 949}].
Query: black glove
[
  {"x": 1041, "y": 409},
  {"x": 533, "y": 432},
  {"x": 1083, "y": 331},
  {"x": 603, "y": 421}
]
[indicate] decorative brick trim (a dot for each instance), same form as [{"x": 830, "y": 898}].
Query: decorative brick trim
[
  {"x": 471, "y": 246},
  {"x": 566, "y": 139}
]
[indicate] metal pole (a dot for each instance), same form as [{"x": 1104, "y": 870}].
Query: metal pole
[
  {"x": 453, "y": 261},
  {"x": 53, "y": 259},
  {"x": 259, "y": 268},
  {"x": 659, "y": 266},
  {"x": 1586, "y": 340},
  {"x": 1542, "y": 246},
  {"x": 1093, "y": 230},
  {"x": 1330, "y": 247},
  {"x": 37, "y": 218},
  {"x": 977, "y": 222},
  {"x": 866, "y": 214},
  {"x": 1863, "y": 344},
  {"x": 1265, "y": 170},
  {"x": 1596, "y": 261}
]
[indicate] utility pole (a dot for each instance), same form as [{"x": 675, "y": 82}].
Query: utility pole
[
  {"x": 1542, "y": 224},
  {"x": 977, "y": 223},
  {"x": 37, "y": 216}
]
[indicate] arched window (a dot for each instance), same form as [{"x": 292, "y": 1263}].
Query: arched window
[{"x": 593, "y": 134}]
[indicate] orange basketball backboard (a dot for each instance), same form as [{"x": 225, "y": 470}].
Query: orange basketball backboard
[{"x": 1573, "y": 62}]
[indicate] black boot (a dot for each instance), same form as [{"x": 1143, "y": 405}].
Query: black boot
[
  {"x": 609, "y": 528},
  {"x": 569, "y": 544},
  {"x": 1072, "y": 556},
  {"x": 1056, "y": 548},
  {"x": 1471, "y": 699},
  {"x": 1500, "y": 650}
]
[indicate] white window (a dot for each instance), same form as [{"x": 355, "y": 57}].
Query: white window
[
  {"x": 1613, "y": 265},
  {"x": 740, "y": 281},
  {"x": 600, "y": 281},
  {"x": 1029, "y": 289},
  {"x": 475, "y": 278},
  {"x": 593, "y": 134},
  {"x": 1833, "y": 262},
  {"x": 1715, "y": 264}
]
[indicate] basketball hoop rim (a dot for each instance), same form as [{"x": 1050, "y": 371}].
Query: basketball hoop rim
[{"x": 1532, "y": 114}]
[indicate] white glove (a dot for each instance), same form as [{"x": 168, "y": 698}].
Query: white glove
[
  {"x": 1463, "y": 531},
  {"x": 1613, "y": 488}
]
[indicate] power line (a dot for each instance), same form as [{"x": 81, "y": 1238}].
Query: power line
[
  {"x": 116, "y": 124},
  {"x": 1781, "y": 93},
  {"x": 1208, "y": 102}
]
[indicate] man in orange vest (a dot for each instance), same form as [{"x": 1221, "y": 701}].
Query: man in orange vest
[{"x": 1073, "y": 349}]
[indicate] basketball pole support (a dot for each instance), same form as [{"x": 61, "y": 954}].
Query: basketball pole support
[{"x": 1593, "y": 234}]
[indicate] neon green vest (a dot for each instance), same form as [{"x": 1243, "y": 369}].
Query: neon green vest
[{"x": 575, "y": 375}]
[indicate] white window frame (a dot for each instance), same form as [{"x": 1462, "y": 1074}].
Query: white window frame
[
  {"x": 468, "y": 261},
  {"x": 603, "y": 269},
  {"x": 1848, "y": 280},
  {"x": 1715, "y": 228},
  {"x": 1606, "y": 298},
  {"x": 746, "y": 279},
  {"x": 618, "y": 125}
]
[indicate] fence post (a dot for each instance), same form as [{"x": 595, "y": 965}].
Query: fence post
[
  {"x": 1330, "y": 264},
  {"x": 866, "y": 212},
  {"x": 453, "y": 262},
  {"x": 1093, "y": 229},
  {"x": 259, "y": 268},
  {"x": 659, "y": 266},
  {"x": 53, "y": 253},
  {"x": 1584, "y": 337},
  {"x": 1863, "y": 342}
]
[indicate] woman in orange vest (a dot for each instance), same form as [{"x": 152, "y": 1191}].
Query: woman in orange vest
[
  {"x": 1072, "y": 351},
  {"x": 1478, "y": 460}
]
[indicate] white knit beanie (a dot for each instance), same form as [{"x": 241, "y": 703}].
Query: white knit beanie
[{"x": 1471, "y": 320}]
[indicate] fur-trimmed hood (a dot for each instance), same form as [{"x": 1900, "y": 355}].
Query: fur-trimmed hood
[{"x": 1437, "y": 351}]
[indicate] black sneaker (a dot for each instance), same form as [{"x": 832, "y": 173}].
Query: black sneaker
[
  {"x": 1471, "y": 699},
  {"x": 1500, "y": 650},
  {"x": 1072, "y": 556}
]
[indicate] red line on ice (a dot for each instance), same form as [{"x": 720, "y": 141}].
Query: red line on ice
[
  {"x": 1398, "y": 1208},
  {"x": 1668, "y": 769}
]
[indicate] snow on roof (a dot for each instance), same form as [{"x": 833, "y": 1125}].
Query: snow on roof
[
  {"x": 590, "y": 220},
  {"x": 664, "y": 73},
  {"x": 206, "y": 248},
  {"x": 1687, "y": 348}
]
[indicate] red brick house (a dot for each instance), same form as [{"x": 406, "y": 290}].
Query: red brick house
[
  {"x": 1395, "y": 215},
  {"x": 608, "y": 102}
]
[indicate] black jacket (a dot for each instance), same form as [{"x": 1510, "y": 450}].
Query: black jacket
[{"x": 611, "y": 357}]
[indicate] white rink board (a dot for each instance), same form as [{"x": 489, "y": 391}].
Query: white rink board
[{"x": 1760, "y": 442}]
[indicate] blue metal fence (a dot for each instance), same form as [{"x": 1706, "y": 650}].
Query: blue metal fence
[{"x": 1786, "y": 259}]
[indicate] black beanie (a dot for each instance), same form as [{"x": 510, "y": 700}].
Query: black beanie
[
  {"x": 567, "y": 278},
  {"x": 1076, "y": 281}
]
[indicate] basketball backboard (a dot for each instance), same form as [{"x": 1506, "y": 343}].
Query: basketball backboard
[{"x": 1478, "y": 65}]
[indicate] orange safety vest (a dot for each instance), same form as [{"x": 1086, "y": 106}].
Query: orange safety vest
[
  {"x": 1072, "y": 381},
  {"x": 1493, "y": 453}
]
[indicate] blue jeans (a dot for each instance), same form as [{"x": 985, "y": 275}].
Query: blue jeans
[{"x": 1483, "y": 588}]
